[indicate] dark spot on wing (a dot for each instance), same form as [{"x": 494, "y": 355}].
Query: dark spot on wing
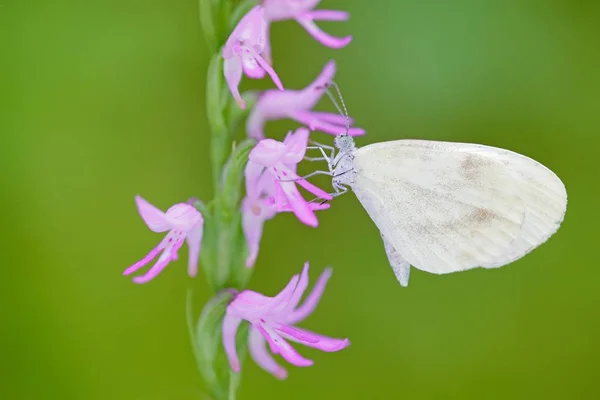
[
  {"x": 472, "y": 166},
  {"x": 483, "y": 216}
]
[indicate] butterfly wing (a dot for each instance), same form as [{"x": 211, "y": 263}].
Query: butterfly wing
[{"x": 448, "y": 207}]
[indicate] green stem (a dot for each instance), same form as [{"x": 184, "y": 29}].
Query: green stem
[{"x": 220, "y": 137}]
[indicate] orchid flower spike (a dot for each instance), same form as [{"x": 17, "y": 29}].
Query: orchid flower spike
[
  {"x": 184, "y": 223},
  {"x": 272, "y": 321},
  {"x": 302, "y": 11},
  {"x": 297, "y": 105},
  {"x": 280, "y": 161},
  {"x": 260, "y": 205},
  {"x": 242, "y": 52}
]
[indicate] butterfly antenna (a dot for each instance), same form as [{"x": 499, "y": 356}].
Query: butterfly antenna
[{"x": 342, "y": 110}]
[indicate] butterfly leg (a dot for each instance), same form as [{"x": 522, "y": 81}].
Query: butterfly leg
[
  {"x": 324, "y": 147},
  {"x": 399, "y": 265},
  {"x": 339, "y": 190},
  {"x": 322, "y": 158}
]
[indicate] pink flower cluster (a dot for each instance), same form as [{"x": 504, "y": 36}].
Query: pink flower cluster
[
  {"x": 248, "y": 49},
  {"x": 272, "y": 187},
  {"x": 272, "y": 322}
]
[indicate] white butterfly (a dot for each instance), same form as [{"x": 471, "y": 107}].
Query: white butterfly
[{"x": 444, "y": 207}]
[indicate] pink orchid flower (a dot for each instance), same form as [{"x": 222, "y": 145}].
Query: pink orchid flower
[
  {"x": 260, "y": 205},
  {"x": 242, "y": 52},
  {"x": 272, "y": 321},
  {"x": 184, "y": 223},
  {"x": 297, "y": 105},
  {"x": 280, "y": 160},
  {"x": 302, "y": 11}
]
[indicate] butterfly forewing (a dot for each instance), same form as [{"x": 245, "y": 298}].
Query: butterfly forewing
[{"x": 448, "y": 207}]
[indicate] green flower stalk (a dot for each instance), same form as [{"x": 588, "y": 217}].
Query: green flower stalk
[{"x": 223, "y": 235}]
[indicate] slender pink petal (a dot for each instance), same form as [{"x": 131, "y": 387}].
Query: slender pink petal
[
  {"x": 230, "y": 327},
  {"x": 269, "y": 70},
  {"x": 286, "y": 176},
  {"x": 284, "y": 348},
  {"x": 156, "y": 219},
  {"x": 300, "y": 335},
  {"x": 332, "y": 118},
  {"x": 320, "y": 342},
  {"x": 325, "y": 77},
  {"x": 258, "y": 351},
  {"x": 311, "y": 120},
  {"x": 313, "y": 206},
  {"x": 322, "y": 37},
  {"x": 162, "y": 262},
  {"x": 299, "y": 206},
  {"x": 194, "y": 242},
  {"x": 312, "y": 300},
  {"x": 328, "y": 15},
  {"x": 232, "y": 69},
  {"x": 254, "y": 215},
  {"x": 314, "y": 189},
  {"x": 300, "y": 288},
  {"x": 149, "y": 257},
  {"x": 273, "y": 345},
  {"x": 283, "y": 298}
]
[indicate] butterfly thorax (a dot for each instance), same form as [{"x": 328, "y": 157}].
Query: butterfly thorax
[{"x": 342, "y": 166}]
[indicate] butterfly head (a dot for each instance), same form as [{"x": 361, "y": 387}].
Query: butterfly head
[{"x": 344, "y": 143}]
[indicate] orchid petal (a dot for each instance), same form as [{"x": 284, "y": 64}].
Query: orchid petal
[
  {"x": 328, "y": 15},
  {"x": 154, "y": 218},
  {"x": 313, "y": 206},
  {"x": 232, "y": 69},
  {"x": 332, "y": 118},
  {"x": 312, "y": 300},
  {"x": 299, "y": 335},
  {"x": 316, "y": 341},
  {"x": 251, "y": 67},
  {"x": 325, "y": 77},
  {"x": 184, "y": 217},
  {"x": 299, "y": 206},
  {"x": 260, "y": 355},
  {"x": 255, "y": 123},
  {"x": 230, "y": 327},
  {"x": 295, "y": 146},
  {"x": 254, "y": 216},
  {"x": 252, "y": 175},
  {"x": 283, "y": 298},
  {"x": 267, "y": 152},
  {"x": 269, "y": 71},
  {"x": 300, "y": 288},
  {"x": 313, "y": 122},
  {"x": 266, "y": 51},
  {"x": 161, "y": 263},
  {"x": 286, "y": 176},
  {"x": 194, "y": 242},
  {"x": 320, "y": 36},
  {"x": 284, "y": 348},
  {"x": 149, "y": 257},
  {"x": 249, "y": 305}
]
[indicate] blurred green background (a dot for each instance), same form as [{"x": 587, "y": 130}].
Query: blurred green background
[{"x": 102, "y": 100}]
